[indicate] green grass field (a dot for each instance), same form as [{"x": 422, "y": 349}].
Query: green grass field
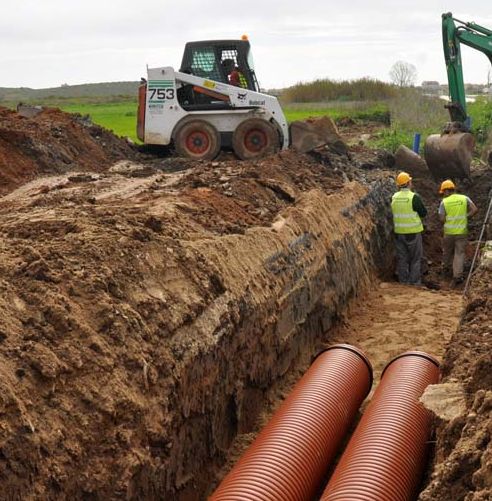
[{"x": 121, "y": 117}]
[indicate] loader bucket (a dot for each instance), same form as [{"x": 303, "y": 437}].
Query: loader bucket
[
  {"x": 306, "y": 135},
  {"x": 449, "y": 155}
]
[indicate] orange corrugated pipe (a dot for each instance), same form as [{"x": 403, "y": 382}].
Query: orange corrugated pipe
[
  {"x": 290, "y": 457},
  {"x": 385, "y": 457}
]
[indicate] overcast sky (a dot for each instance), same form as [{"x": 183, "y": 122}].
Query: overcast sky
[{"x": 45, "y": 43}]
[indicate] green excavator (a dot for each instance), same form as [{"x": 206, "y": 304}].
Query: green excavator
[{"x": 449, "y": 154}]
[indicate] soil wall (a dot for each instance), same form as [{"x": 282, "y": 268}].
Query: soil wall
[
  {"x": 284, "y": 287},
  {"x": 462, "y": 468}
]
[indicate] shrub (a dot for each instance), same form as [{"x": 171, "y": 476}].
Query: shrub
[
  {"x": 391, "y": 139},
  {"x": 363, "y": 89},
  {"x": 481, "y": 114},
  {"x": 414, "y": 112}
]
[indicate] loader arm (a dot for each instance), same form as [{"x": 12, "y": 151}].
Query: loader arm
[
  {"x": 473, "y": 35},
  {"x": 240, "y": 98}
]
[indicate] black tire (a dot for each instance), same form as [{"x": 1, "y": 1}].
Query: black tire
[
  {"x": 197, "y": 139},
  {"x": 255, "y": 138}
]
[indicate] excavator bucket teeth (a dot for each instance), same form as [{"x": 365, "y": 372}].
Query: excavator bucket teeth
[
  {"x": 306, "y": 135},
  {"x": 449, "y": 155}
]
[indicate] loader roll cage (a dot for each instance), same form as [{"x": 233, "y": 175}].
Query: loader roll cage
[{"x": 206, "y": 59}]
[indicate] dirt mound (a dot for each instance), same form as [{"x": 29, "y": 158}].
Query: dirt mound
[{"x": 53, "y": 142}]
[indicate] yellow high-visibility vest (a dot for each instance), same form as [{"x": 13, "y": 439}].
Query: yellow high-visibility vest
[
  {"x": 242, "y": 80},
  {"x": 405, "y": 219},
  {"x": 456, "y": 209}
]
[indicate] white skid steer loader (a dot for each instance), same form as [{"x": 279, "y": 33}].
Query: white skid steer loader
[{"x": 211, "y": 103}]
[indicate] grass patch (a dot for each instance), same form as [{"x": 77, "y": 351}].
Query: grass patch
[
  {"x": 119, "y": 117},
  {"x": 391, "y": 139}
]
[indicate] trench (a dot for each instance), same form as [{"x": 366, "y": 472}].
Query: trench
[
  {"x": 323, "y": 278},
  {"x": 282, "y": 289},
  {"x": 389, "y": 319}
]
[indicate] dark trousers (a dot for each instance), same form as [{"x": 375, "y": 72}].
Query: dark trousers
[{"x": 409, "y": 255}]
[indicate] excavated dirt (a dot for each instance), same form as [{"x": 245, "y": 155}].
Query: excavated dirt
[
  {"x": 127, "y": 292},
  {"x": 53, "y": 142},
  {"x": 155, "y": 311}
]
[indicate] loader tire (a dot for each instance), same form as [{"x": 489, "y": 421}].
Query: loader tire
[
  {"x": 197, "y": 139},
  {"x": 255, "y": 138}
]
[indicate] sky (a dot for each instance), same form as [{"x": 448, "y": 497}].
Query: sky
[{"x": 46, "y": 43}]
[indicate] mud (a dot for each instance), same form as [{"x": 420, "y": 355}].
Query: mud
[{"x": 156, "y": 310}]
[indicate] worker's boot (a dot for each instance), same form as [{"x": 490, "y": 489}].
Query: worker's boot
[{"x": 457, "y": 281}]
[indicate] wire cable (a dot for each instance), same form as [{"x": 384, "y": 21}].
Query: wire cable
[{"x": 465, "y": 290}]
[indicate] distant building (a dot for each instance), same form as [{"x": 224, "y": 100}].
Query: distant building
[
  {"x": 473, "y": 88},
  {"x": 431, "y": 87}
]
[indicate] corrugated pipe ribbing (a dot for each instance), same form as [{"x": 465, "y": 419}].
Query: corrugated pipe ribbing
[
  {"x": 385, "y": 457},
  {"x": 291, "y": 455}
]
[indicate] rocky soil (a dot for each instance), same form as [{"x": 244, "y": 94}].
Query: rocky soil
[{"x": 463, "y": 460}]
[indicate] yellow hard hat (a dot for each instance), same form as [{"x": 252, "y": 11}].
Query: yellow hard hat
[
  {"x": 447, "y": 185},
  {"x": 403, "y": 178}
]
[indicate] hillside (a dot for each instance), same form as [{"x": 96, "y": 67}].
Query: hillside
[{"x": 104, "y": 89}]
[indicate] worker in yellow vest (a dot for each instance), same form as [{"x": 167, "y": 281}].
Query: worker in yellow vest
[
  {"x": 408, "y": 211},
  {"x": 454, "y": 211}
]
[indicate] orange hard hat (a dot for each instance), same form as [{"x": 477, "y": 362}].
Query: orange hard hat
[
  {"x": 403, "y": 178},
  {"x": 447, "y": 185}
]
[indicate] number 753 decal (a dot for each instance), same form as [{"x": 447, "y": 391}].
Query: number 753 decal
[{"x": 161, "y": 94}]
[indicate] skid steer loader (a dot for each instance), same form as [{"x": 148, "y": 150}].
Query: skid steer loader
[{"x": 199, "y": 111}]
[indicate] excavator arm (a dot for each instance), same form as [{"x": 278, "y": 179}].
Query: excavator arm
[
  {"x": 449, "y": 155},
  {"x": 473, "y": 35}
]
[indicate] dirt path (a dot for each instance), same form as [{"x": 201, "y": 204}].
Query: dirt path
[{"x": 396, "y": 318}]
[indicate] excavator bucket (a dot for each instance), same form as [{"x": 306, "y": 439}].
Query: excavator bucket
[
  {"x": 306, "y": 135},
  {"x": 449, "y": 155}
]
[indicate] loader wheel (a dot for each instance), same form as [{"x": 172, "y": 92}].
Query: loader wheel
[
  {"x": 198, "y": 140},
  {"x": 255, "y": 138}
]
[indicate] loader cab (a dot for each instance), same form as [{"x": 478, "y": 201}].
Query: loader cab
[{"x": 210, "y": 58}]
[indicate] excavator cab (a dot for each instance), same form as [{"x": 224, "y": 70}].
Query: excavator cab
[{"x": 214, "y": 59}]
